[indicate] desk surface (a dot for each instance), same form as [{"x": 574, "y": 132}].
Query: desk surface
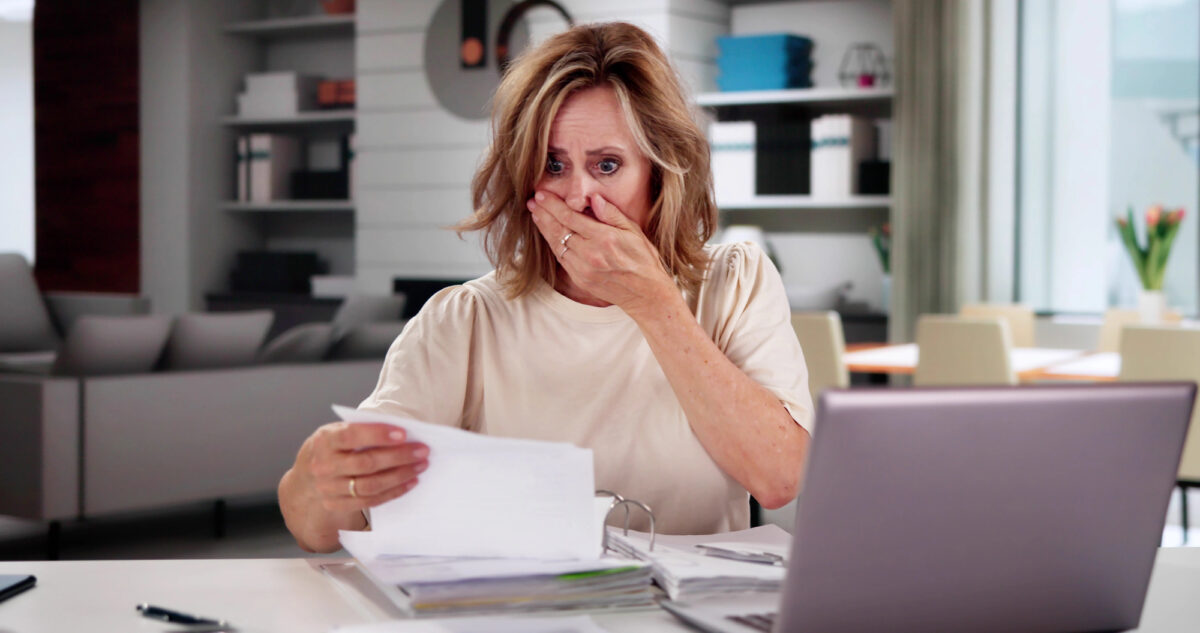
[
  {"x": 1029, "y": 363},
  {"x": 298, "y": 596}
]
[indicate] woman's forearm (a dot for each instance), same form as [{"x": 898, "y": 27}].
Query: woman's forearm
[
  {"x": 741, "y": 424},
  {"x": 315, "y": 527}
]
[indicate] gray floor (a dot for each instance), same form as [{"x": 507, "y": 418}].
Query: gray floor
[{"x": 253, "y": 528}]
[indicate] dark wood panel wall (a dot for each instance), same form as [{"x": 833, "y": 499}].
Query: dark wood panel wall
[{"x": 85, "y": 66}]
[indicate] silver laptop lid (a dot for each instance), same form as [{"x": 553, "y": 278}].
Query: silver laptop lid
[{"x": 984, "y": 509}]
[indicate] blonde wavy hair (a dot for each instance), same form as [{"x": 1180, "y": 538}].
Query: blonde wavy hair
[{"x": 682, "y": 216}]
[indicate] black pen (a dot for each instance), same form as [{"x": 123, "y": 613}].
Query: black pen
[{"x": 175, "y": 617}]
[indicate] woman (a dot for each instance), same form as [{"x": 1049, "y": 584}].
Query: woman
[{"x": 607, "y": 323}]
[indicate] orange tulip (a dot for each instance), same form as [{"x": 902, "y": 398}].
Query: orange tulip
[{"x": 1153, "y": 215}]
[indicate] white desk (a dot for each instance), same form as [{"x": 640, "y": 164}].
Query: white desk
[
  {"x": 902, "y": 359},
  {"x": 295, "y": 596},
  {"x": 290, "y": 595}
]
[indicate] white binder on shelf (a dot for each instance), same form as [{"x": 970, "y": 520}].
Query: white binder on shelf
[
  {"x": 733, "y": 161},
  {"x": 840, "y": 142},
  {"x": 272, "y": 158}
]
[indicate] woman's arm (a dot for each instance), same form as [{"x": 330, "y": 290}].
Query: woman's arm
[{"x": 741, "y": 424}]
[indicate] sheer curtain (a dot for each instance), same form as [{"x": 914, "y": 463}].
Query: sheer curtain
[{"x": 940, "y": 200}]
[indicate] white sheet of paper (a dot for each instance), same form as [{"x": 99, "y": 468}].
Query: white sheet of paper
[{"x": 488, "y": 496}]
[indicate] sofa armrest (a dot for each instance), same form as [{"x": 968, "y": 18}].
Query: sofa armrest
[{"x": 39, "y": 447}]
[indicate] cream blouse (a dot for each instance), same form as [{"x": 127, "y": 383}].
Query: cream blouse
[{"x": 545, "y": 367}]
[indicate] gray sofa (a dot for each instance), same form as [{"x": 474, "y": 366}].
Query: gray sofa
[
  {"x": 105, "y": 408},
  {"x": 84, "y": 446}
]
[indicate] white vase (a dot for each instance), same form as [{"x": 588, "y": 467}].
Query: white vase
[
  {"x": 1152, "y": 305},
  {"x": 886, "y": 295}
]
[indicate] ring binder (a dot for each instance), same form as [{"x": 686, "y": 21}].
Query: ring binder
[{"x": 622, "y": 501}]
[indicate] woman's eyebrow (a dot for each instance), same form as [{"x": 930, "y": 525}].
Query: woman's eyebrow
[{"x": 607, "y": 149}]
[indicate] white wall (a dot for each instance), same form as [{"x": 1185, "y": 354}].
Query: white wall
[
  {"x": 16, "y": 128},
  {"x": 414, "y": 159}
]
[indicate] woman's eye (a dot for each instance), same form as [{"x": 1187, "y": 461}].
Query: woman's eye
[
  {"x": 608, "y": 166},
  {"x": 554, "y": 166}
]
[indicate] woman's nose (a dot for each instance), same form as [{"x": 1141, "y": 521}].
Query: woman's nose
[{"x": 579, "y": 191}]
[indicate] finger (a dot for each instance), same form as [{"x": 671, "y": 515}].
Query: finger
[
  {"x": 374, "y": 460},
  {"x": 548, "y": 203},
  {"x": 609, "y": 214},
  {"x": 551, "y": 229},
  {"x": 384, "y": 482},
  {"x": 355, "y": 504},
  {"x": 358, "y": 436}
]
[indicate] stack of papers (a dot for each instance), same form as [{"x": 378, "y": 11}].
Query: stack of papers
[
  {"x": 440, "y": 586},
  {"x": 685, "y": 571},
  {"x": 495, "y": 525}
]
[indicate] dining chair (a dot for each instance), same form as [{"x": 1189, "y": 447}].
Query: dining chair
[
  {"x": 1168, "y": 353},
  {"x": 1020, "y": 319},
  {"x": 823, "y": 343},
  {"x": 1117, "y": 318},
  {"x": 956, "y": 350}
]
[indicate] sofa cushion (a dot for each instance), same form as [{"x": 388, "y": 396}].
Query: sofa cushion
[
  {"x": 369, "y": 340},
  {"x": 359, "y": 309},
  {"x": 304, "y": 343},
  {"x": 25, "y": 324},
  {"x": 210, "y": 340},
  {"x": 100, "y": 345}
]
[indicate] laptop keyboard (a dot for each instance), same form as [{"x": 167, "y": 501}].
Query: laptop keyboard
[{"x": 757, "y": 621}]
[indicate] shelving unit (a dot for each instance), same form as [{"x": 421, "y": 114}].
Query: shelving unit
[
  {"x": 316, "y": 45},
  {"x": 290, "y": 206},
  {"x": 831, "y": 96},
  {"x": 315, "y": 118},
  {"x": 802, "y": 203},
  {"x": 294, "y": 27},
  {"x": 801, "y": 221}
]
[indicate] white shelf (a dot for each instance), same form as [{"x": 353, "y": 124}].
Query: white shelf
[
  {"x": 317, "y": 117},
  {"x": 800, "y": 95},
  {"x": 306, "y": 206},
  {"x": 783, "y": 203},
  {"x": 289, "y": 27}
]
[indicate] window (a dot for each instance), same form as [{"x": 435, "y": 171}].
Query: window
[
  {"x": 1108, "y": 118},
  {"x": 16, "y": 127}
]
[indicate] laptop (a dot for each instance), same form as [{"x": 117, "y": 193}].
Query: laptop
[{"x": 1033, "y": 508}]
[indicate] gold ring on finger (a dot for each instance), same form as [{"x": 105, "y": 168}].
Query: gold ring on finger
[
  {"x": 566, "y": 237},
  {"x": 353, "y": 493},
  {"x": 563, "y": 251}
]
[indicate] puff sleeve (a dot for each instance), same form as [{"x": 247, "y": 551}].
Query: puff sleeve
[{"x": 426, "y": 374}]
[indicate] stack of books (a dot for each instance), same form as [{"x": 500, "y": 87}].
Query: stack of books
[
  {"x": 277, "y": 94},
  {"x": 764, "y": 62}
]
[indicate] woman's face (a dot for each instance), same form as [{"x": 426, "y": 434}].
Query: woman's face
[{"x": 592, "y": 152}]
